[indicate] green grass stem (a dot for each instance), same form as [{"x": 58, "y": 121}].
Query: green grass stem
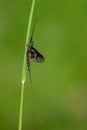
[{"x": 24, "y": 65}]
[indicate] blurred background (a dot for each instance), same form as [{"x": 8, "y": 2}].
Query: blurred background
[{"x": 60, "y": 83}]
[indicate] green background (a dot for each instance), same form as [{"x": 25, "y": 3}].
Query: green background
[{"x": 60, "y": 83}]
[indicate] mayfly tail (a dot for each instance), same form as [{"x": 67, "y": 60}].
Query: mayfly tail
[{"x": 35, "y": 103}]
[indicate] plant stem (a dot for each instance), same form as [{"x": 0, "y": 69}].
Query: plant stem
[
  {"x": 24, "y": 65},
  {"x": 21, "y": 108}
]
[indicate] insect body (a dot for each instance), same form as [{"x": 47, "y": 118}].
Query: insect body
[{"x": 34, "y": 55}]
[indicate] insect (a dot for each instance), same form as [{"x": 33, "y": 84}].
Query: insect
[{"x": 33, "y": 54}]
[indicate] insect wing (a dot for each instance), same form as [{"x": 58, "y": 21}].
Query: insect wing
[{"x": 37, "y": 57}]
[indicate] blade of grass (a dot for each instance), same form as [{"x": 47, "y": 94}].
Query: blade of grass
[{"x": 24, "y": 65}]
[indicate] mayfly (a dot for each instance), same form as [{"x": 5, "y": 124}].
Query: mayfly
[{"x": 33, "y": 54}]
